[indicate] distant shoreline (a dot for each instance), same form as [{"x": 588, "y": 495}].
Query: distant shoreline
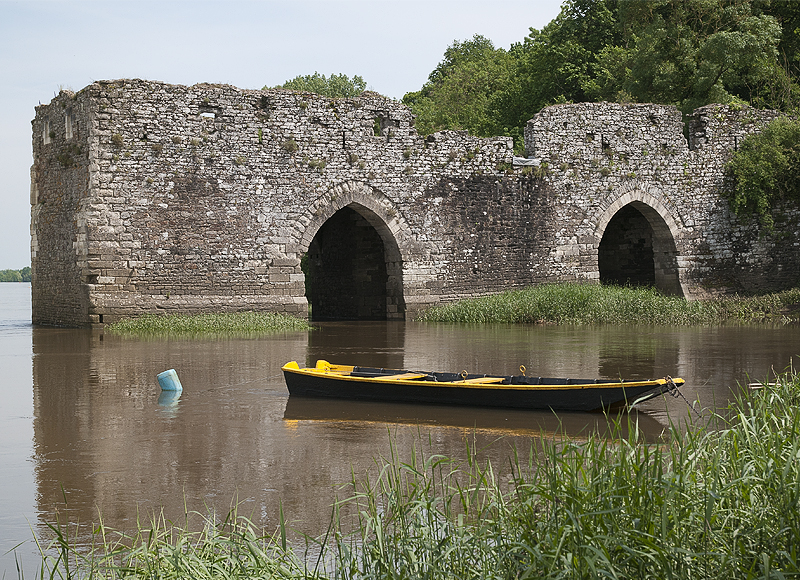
[{"x": 23, "y": 275}]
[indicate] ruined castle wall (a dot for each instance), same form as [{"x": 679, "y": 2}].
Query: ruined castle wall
[
  {"x": 498, "y": 233},
  {"x": 733, "y": 253},
  {"x": 601, "y": 156},
  {"x": 59, "y": 192},
  {"x": 166, "y": 198},
  {"x": 206, "y": 197}
]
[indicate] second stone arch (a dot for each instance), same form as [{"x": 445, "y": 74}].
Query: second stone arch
[{"x": 637, "y": 244}]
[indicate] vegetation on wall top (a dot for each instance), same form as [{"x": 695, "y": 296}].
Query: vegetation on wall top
[
  {"x": 686, "y": 53},
  {"x": 334, "y": 86},
  {"x": 766, "y": 169}
]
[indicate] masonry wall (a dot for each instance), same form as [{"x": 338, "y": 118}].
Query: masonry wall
[
  {"x": 599, "y": 157},
  {"x": 59, "y": 192},
  {"x": 166, "y": 198},
  {"x": 205, "y": 197}
]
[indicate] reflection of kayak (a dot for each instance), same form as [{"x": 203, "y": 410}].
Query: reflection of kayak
[
  {"x": 520, "y": 392},
  {"x": 505, "y": 421}
]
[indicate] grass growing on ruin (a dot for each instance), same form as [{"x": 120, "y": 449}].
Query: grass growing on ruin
[
  {"x": 230, "y": 324},
  {"x": 571, "y": 303},
  {"x": 719, "y": 500}
]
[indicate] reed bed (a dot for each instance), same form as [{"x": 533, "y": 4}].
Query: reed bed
[
  {"x": 709, "y": 503},
  {"x": 158, "y": 549},
  {"x": 719, "y": 500},
  {"x": 581, "y": 304},
  {"x": 228, "y": 325}
]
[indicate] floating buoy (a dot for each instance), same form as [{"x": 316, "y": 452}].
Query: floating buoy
[{"x": 169, "y": 381}]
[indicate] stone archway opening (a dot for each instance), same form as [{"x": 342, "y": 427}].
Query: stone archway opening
[
  {"x": 353, "y": 269},
  {"x": 637, "y": 249}
]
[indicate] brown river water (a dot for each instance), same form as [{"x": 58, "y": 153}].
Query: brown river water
[{"x": 83, "y": 431}]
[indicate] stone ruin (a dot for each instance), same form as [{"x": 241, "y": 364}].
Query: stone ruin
[{"x": 151, "y": 197}]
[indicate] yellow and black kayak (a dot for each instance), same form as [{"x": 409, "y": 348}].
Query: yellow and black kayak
[{"x": 333, "y": 381}]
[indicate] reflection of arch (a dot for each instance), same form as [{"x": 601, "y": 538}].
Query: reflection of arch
[
  {"x": 354, "y": 255},
  {"x": 640, "y": 224}
]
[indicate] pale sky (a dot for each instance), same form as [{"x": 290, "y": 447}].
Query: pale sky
[{"x": 46, "y": 45}]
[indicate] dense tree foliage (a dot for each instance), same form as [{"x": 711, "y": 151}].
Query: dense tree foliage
[
  {"x": 461, "y": 93},
  {"x": 686, "y": 53},
  {"x": 767, "y": 170},
  {"x": 23, "y": 275},
  {"x": 334, "y": 86},
  {"x": 694, "y": 52}
]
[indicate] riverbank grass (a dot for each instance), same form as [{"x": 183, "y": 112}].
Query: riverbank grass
[
  {"x": 719, "y": 500},
  {"x": 229, "y": 325},
  {"x": 581, "y": 304}
]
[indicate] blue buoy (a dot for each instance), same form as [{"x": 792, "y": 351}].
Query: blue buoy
[{"x": 169, "y": 381}]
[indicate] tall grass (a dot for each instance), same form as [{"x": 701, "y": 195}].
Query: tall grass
[
  {"x": 230, "y": 324},
  {"x": 571, "y": 303},
  {"x": 717, "y": 501},
  {"x": 710, "y": 503},
  {"x": 159, "y": 549}
]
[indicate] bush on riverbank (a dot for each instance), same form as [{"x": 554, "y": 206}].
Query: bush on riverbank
[
  {"x": 23, "y": 275},
  {"x": 712, "y": 502},
  {"x": 230, "y": 324},
  {"x": 571, "y": 303}
]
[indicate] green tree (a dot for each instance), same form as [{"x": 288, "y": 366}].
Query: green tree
[
  {"x": 558, "y": 63},
  {"x": 686, "y": 53},
  {"x": 693, "y": 52},
  {"x": 26, "y": 274},
  {"x": 461, "y": 90},
  {"x": 491, "y": 91},
  {"x": 766, "y": 169},
  {"x": 335, "y": 86},
  {"x": 781, "y": 92},
  {"x": 10, "y": 276}
]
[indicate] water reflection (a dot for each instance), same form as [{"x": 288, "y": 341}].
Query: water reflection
[
  {"x": 103, "y": 432},
  {"x": 469, "y": 420},
  {"x": 107, "y": 439},
  {"x": 376, "y": 344}
]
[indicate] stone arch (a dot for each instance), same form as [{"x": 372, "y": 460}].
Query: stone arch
[
  {"x": 647, "y": 214},
  {"x": 374, "y": 255}
]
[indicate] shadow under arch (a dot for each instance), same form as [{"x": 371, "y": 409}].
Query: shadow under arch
[
  {"x": 352, "y": 261},
  {"x": 637, "y": 245}
]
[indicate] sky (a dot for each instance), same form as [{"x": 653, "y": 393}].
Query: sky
[{"x": 48, "y": 45}]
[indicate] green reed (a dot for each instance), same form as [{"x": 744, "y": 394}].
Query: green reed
[
  {"x": 718, "y": 499},
  {"x": 572, "y": 303},
  {"x": 711, "y": 502},
  {"x": 159, "y": 549},
  {"x": 229, "y": 324}
]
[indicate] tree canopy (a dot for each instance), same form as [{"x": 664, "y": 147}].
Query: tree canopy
[
  {"x": 23, "y": 275},
  {"x": 461, "y": 91},
  {"x": 334, "y": 86},
  {"x": 686, "y": 53}
]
